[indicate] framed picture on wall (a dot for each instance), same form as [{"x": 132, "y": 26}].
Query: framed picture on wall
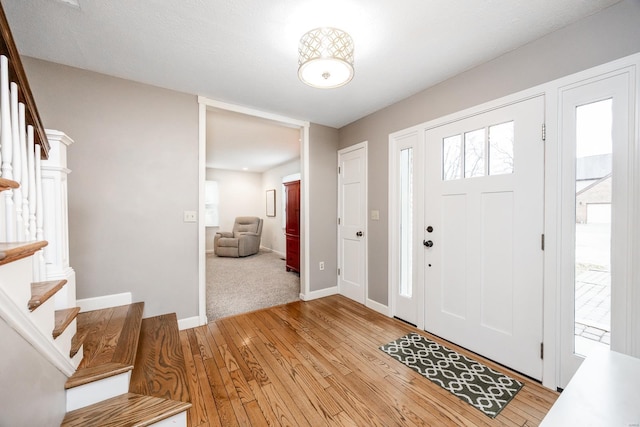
[{"x": 271, "y": 202}]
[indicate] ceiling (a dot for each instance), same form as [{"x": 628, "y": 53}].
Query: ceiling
[
  {"x": 244, "y": 52},
  {"x": 239, "y": 142}
]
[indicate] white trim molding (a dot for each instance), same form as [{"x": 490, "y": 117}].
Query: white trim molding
[
  {"x": 380, "y": 308},
  {"x": 321, "y": 293},
  {"x": 189, "y": 322},
  {"x": 106, "y": 301}
]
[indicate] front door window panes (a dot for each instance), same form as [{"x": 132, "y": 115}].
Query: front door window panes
[
  {"x": 501, "y": 149},
  {"x": 452, "y": 158},
  {"x": 474, "y": 153}
]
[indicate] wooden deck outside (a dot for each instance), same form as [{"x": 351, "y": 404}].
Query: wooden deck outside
[{"x": 317, "y": 363}]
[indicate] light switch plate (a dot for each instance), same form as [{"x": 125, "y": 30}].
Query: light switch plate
[
  {"x": 190, "y": 216},
  {"x": 375, "y": 215}
]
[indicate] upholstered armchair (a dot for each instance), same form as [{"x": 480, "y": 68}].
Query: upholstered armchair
[{"x": 244, "y": 240}]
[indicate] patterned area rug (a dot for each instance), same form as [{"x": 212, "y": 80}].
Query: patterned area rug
[{"x": 471, "y": 381}]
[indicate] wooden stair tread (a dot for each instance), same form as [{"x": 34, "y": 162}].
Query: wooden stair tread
[
  {"x": 14, "y": 251},
  {"x": 95, "y": 373},
  {"x": 42, "y": 291},
  {"x": 130, "y": 410},
  {"x": 63, "y": 319},
  {"x": 160, "y": 368},
  {"x": 6, "y": 184},
  {"x": 110, "y": 339}
]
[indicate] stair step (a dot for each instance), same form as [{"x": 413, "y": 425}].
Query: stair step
[
  {"x": 6, "y": 184},
  {"x": 10, "y": 252},
  {"x": 42, "y": 291},
  {"x": 125, "y": 410},
  {"x": 63, "y": 319},
  {"x": 110, "y": 339},
  {"x": 160, "y": 368}
]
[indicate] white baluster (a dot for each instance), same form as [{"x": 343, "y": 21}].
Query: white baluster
[
  {"x": 17, "y": 162},
  {"x": 40, "y": 262},
  {"x": 24, "y": 178},
  {"x": 7, "y": 148},
  {"x": 32, "y": 183},
  {"x": 16, "y": 128}
]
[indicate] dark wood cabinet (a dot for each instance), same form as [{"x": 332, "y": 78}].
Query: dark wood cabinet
[{"x": 292, "y": 228}]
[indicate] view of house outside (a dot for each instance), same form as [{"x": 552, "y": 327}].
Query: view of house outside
[{"x": 593, "y": 226}]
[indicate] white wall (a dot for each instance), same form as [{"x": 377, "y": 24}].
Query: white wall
[
  {"x": 272, "y": 233},
  {"x": 240, "y": 195}
]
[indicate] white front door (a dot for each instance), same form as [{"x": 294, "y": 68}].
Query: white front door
[
  {"x": 483, "y": 230},
  {"x": 352, "y": 222}
]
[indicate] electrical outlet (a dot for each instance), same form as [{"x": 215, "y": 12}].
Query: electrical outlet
[
  {"x": 321, "y": 265},
  {"x": 190, "y": 216}
]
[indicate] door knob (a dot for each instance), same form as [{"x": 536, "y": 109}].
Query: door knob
[
  {"x": 359, "y": 234},
  {"x": 427, "y": 243}
]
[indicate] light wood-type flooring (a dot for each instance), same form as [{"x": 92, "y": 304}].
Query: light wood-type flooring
[{"x": 317, "y": 363}]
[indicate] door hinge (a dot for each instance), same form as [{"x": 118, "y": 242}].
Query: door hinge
[
  {"x": 339, "y": 170},
  {"x": 544, "y": 132},
  {"x": 541, "y": 350},
  {"x": 338, "y": 272},
  {"x": 542, "y": 242},
  {"x": 338, "y": 221}
]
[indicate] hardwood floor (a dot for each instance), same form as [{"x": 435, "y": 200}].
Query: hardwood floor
[{"x": 317, "y": 363}]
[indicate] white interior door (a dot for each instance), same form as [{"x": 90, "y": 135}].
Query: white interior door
[
  {"x": 352, "y": 222},
  {"x": 595, "y": 223},
  {"x": 483, "y": 256}
]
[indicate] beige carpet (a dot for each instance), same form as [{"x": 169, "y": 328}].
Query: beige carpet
[{"x": 240, "y": 285}]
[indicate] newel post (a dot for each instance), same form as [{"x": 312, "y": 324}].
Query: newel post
[{"x": 56, "y": 217}]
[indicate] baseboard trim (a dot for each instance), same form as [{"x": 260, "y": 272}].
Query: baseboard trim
[
  {"x": 280, "y": 254},
  {"x": 107, "y": 301},
  {"x": 319, "y": 293},
  {"x": 376, "y": 306},
  {"x": 189, "y": 322}
]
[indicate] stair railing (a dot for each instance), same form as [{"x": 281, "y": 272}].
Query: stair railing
[{"x": 23, "y": 145}]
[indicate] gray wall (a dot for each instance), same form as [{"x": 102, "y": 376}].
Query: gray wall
[
  {"x": 32, "y": 392},
  {"x": 323, "y": 205},
  {"x": 135, "y": 170},
  {"x": 273, "y": 236},
  {"x": 608, "y": 35}
]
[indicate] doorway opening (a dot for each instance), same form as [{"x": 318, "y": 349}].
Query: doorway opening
[{"x": 247, "y": 155}]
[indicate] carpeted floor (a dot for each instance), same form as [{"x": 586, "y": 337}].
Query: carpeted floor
[{"x": 240, "y": 285}]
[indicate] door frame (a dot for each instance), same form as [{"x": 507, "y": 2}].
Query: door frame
[
  {"x": 364, "y": 145},
  {"x": 203, "y": 105},
  {"x": 629, "y": 318}
]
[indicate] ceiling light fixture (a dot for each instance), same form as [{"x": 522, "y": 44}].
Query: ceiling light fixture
[{"x": 325, "y": 58}]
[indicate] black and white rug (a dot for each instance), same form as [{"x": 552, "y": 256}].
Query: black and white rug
[{"x": 473, "y": 382}]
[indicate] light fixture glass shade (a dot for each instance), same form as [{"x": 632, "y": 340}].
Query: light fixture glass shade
[{"x": 325, "y": 58}]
